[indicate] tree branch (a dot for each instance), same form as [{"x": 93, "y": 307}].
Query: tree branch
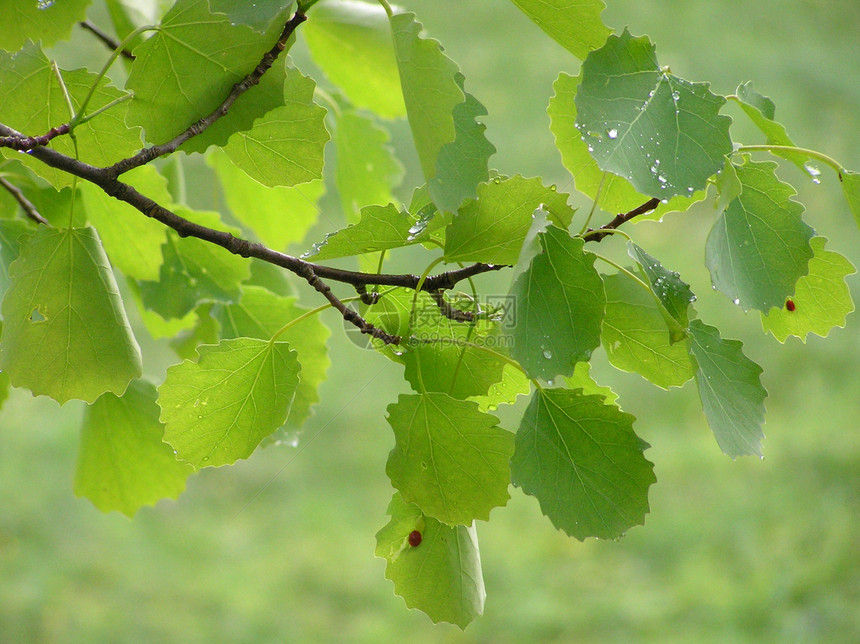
[
  {"x": 27, "y": 205},
  {"x": 153, "y": 152},
  {"x": 111, "y": 43},
  {"x": 24, "y": 143},
  {"x": 596, "y": 235}
]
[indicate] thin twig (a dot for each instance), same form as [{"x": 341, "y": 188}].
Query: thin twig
[
  {"x": 111, "y": 43},
  {"x": 597, "y": 234},
  {"x": 27, "y": 205},
  {"x": 449, "y": 311},
  {"x": 24, "y": 143},
  {"x": 148, "y": 154}
]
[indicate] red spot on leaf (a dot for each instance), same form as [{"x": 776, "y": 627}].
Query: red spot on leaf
[
  {"x": 789, "y": 305},
  {"x": 414, "y": 538}
]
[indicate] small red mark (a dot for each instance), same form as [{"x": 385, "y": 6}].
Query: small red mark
[
  {"x": 414, "y": 538},
  {"x": 789, "y": 305}
]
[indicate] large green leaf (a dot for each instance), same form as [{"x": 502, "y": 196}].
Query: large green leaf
[
  {"x": 821, "y": 298},
  {"x": 635, "y": 336},
  {"x": 380, "y": 228},
  {"x": 351, "y": 43},
  {"x": 260, "y": 314},
  {"x": 574, "y": 24},
  {"x": 187, "y": 68},
  {"x": 122, "y": 462},
  {"x": 583, "y": 462},
  {"x": 47, "y": 21},
  {"x": 613, "y": 193},
  {"x": 492, "y": 228},
  {"x": 132, "y": 240},
  {"x": 730, "y": 389},
  {"x": 430, "y": 89},
  {"x": 13, "y": 232},
  {"x": 265, "y": 16},
  {"x": 278, "y": 216},
  {"x": 65, "y": 332},
  {"x": 194, "y": 271},
  {"x": 218, "y": 409},
  {"x": 759, "y": 246},
  {"x": 559, "y": 303},
  {"x": 285, "y": 146},
  {"x": 663, "y": 133},
  {"x": 32, "y": 101},
  {"x": 442, "y": 574},
  {"x": 462, "y": 163},
  {"x": 674, "y": 293},
  {"x": 367, "y": 169},
  {"x": 449, "y": 459}
]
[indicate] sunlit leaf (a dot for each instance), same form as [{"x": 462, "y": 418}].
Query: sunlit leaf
[
  {"x": 851, "y": 190},
  {"x": 122, "y": 462},
  {"x": 574, "y": 24},
  {"x": 730, "y": 389},
  {"x": 821, "y": 299},
  {"x": 48, "y": 21},
  {"x": 759, "y": 246},
  {"x": 218, "y": 409},
  {"x": 65, "y": 331},
  {"x": 442, "y": 574},
  {"x": 449, "y": 459},
  {"x": 380, "y": 228},
  {"x": 664, "y": 134},
  {"x": 580, "y": 457}
]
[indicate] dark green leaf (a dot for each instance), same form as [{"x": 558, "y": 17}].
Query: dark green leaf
[
  {"x": 13, "y": 233},
  {"x": 730, "y": 389},
  {"x": 442, "y": 575},
  {"x": 663, "y": 133},
  {"x": 759, "y": 246},
  {"x": 559, "y": 303},
  {"x": 65, "y": 331},
  {"x": 122, "y": 462},
  {"x": 674, "y": 293},
  {"x": 380, "y": 228},
  {"x": 821, "y": 299},
  {"x": 449, "y": 459},
  {"x": 583, "y": 462},
  {"x": 48, "y": 21},
  {"x": 218, "y": 409}
]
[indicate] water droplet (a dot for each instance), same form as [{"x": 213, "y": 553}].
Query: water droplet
[
  {"x": 497, "y": 180},
  {"x": 612, "y": 134},
  {"x": 676, "y": 95},
  {"x": 813, "y": 172},
  {"x": 736, "y": 301},
  {"x": 692, "y": 298},
  {"x": 553, "y": 188},
  {"x": 205, "y": 458},
  {"x": 547, "y": 354},
  {"x": 661, "y": 178}
]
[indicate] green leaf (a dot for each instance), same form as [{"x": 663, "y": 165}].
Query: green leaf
[
  {"x": 559, "y": 303},
  {"x": 194, "y": 271},
  {"x": 442, "y": 575},
  {"x": 504, "y": 392},
  {"x": 351, "y": 42},
  {"x": 581, "y": 379},
  {"x": 635, "y": 336},
  {"x": 66, "y": 334},
  {"x": 256, "y": 102},
  {"x": 49, "y": 22},
  {"x": 278, "y": 216},
  {"x": 132, "y": 240},
  {"x": 663, "y": 133},
  {"x": 613, "y": 193},
  {"x": 730, "y": 389},
  {"x": 205, "y": 54},
  {"x": 583, "y": 462},
  {"x": 760, "y": 109},
  {"x": 574, "y": 24},
  {"x": 430, "y": 89},
  {"x": 759, "y": 246},
  {"x": 367, "y": 169},
  {"x": 462, "y": 163},
  {"x": 821, "y": 299},
  {"x": 218, "y": 409},
  {"x": 285, "y": 146},
  {"x": 449, "y": 459},
  {"x": 206, "y": 330},
  {"x": 32, "y": 102},
  {"x": 851, "y": 190},
  {"x": 122, "y": 462},
  {"x": 265, "y": 16},
  {"x": 492, "y": 228},
  {"x": 437, "y": 359},
  {"x": 380, "y": 228},
  {"x": 260, "y": 314},
  {"x": 674, "y": 293}
]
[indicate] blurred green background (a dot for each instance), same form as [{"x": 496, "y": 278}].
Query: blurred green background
[{"x": 280, "y": 547}]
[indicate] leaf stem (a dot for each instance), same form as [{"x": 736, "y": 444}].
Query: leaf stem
[
  {"x": 387, "y": 8},
  {"x": 26, "y": 205},
  {"x": 833, "y": 163},
  {"x": 593, "y": 204}
]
